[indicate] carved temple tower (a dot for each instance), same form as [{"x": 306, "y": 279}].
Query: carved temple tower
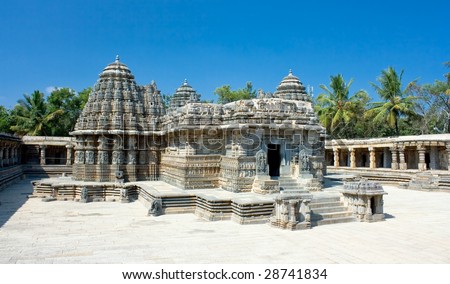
[{"x": 115, "y": 134}]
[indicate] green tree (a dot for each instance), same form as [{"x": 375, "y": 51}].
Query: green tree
[
  {"x": 226, "y": 95},
  {"x": 83, "y": 96},
  {"x": 438, "y": 100},
  {"x": 67, "y": 100},
  {"x": 31, "y": 115},
  {"x": 397, "y": 103},
  {"x": 6, "y": 120},
  {"x": 338, "y": 112}
]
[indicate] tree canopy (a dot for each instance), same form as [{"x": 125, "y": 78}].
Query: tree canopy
[
  {"x": 337, "y": 110},
  {"x": 32, "y": 115},
  {"x": 36, "y": 115},
  {"x": 226, "y": 95},
  {"x": 396, "y": 102},
  {"x": 65, "y": 99}
]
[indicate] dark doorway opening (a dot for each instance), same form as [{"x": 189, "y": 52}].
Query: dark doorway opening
[
  {"x": 381, "y": 161},
  {"x": 427, "y": 160},
  {"x": 363, "y": 160},
  {"x": 373, "y": 206},
  {"x": 274, "y": 159}
]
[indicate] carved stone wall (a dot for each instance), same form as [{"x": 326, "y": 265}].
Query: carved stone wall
[
  {"x": 237, "y": 173},
  {"x": 191, "y": 172}
]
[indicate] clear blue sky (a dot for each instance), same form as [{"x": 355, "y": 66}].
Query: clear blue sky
[{"x": 212, "y": 43}]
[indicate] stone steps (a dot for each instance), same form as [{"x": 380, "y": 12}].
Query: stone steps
[
  {"x": 321, "y": 210},
  {"x": 288, "y": 184},
  {"x": 330, "y": 215},
  {"x": 333, "y": 221},
  {"x": 329, "y": 210}
]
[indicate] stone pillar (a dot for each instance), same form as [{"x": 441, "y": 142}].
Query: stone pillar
[
  {"x": 336, "y": 157},
  {"x": 293, "y": 211},
  {"x": 352, "y": 157},
  {"x": 422, "y": 166},
  {"x": 394, "y": 163},
  {"x": 434, "y": 158},
  {"x": 69, "y": 154},
  {"x": 42, "y": 160},
  {"x": 372, "y": 158},
  {"x": 401, "y": 154}
]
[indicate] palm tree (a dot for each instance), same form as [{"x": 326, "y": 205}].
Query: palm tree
[
  {"x": 397, "y": 102},
  {"x": 31, "y": 115},
  {"x": 335, "y": 108}
]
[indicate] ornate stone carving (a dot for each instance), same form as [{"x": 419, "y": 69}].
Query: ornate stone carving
[
  {"x": 155, "y": 208},
  {"x": 90, "y": 157},
  {"x": 117, "y": 158},
  {"x": 304, "y": 161},
  {"x": 261, "y": 163},
  {"x": 84, "y": 194}
]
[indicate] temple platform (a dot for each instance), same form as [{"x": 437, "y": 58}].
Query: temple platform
[
  {"x": 209, "y": 204},
  {"x": 416, "y": 230}
]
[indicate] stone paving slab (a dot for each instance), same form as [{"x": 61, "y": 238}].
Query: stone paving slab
[{"x": 417, "y": 230}]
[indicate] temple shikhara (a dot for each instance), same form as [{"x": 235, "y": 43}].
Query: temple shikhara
[{"x": 251, "y": 161}]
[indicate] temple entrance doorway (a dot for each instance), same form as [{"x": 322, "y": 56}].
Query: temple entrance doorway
[
  {"x": 373, "y": 206},
  {"x": 274, "y": 159}
]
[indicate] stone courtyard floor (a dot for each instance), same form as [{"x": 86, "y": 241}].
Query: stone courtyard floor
[{"x": 417, "y": 230}]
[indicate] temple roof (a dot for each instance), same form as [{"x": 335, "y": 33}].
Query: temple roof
[
  {"x": 291, "y": 88},
  {"x": 117, "y": 69},
  {"x": 183, "y": 95},
  {"x": 118, "y": 103}
]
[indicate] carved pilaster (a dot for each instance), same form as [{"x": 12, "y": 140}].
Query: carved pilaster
[
  {"x": 352, "y": 157},
  {"x": 69, "y": 154},
  {"x": 79, "y": 151},
  {"x": 372, "y": 158},
  {"x": 422, "y": 166},
  {"x": 42, "y": 158},
  {"x": 336, "y": 157},
  {"x": 401, "y": 154},
  {"x": 394, "y": 163}
]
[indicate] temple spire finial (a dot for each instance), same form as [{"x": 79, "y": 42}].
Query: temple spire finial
[
  {"x": 185, "y": 82},
  {"x": 117, "y": 58},
  {"x": 290, "y": 72}
]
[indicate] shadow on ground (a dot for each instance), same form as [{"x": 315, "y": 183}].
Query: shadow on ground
[
  {"x": 328, "y": 182},
  {"x": 12, "y": 197},
  {"x": 388, "y": 216}
]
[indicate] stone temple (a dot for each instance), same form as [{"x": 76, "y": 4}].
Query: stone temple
[
  {"x": 124, "y": 132},
  {"x": 260, "y": 160}
]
